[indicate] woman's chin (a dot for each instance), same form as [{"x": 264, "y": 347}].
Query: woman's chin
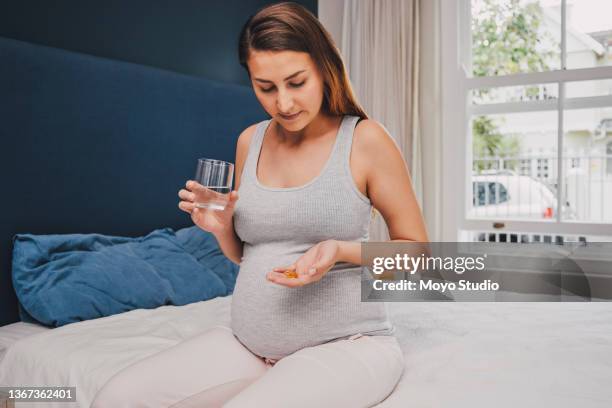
[{"x": 294, "y": 125}]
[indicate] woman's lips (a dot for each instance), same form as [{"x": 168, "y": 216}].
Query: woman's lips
[{"x": 290, "y": 117}]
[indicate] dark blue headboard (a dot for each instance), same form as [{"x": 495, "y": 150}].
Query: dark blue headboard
[{"x": 90, "y": 145}]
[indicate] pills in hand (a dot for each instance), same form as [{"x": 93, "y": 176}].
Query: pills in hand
[{"x": 291, "y": 273}]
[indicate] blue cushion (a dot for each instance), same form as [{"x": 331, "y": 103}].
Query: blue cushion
[
  {"x": 61, "y": 279},
  {"x": 25, "y": 316},
  {"x": 204, "y": 247}
]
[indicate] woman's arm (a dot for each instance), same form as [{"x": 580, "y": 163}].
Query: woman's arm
[
  {"x": 228, "y": 241},
  {"x": 230, "y": 245},
  {"x": 388, "y": 186}
]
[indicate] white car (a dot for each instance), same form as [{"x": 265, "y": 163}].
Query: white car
[{"x": 509, "y": 195}]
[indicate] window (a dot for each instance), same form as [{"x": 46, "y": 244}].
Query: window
[
  {"x": 525, "y": 167},
  {"x": 528, "y": 84},
  {"x": 542, "y": 168}
]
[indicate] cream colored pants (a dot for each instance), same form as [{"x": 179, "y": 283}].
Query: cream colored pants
[{"x": 214, "y": 369}]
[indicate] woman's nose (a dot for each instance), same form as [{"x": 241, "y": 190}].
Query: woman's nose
[{"x": 284, "y": 103}]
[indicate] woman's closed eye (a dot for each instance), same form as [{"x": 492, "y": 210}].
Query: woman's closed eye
[{"x": 290, "y": 84}]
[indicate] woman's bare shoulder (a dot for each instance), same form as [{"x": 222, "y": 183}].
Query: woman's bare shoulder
[
  {"x": 245, "y": 137},
  {"x": 373, "y": 141},
  {"x": 244, "y": 140}
]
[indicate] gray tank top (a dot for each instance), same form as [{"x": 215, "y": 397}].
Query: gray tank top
[{"x": 277, "y": 226}]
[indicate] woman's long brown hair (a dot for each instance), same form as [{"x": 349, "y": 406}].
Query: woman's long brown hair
[{"x": 291, "y": 27}]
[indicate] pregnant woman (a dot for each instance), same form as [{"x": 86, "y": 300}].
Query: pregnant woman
[{"x": 306, "y": 181}]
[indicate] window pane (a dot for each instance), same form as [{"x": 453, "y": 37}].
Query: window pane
[
  {"x": 599, "y": 87},
  {"x": 514, "y": 168},
  {"x": 587, "y": 146},
  {"x": 589, "y": 33},
  {"x": 523, "y": 93},
  {"x": 515, "y": 36}
]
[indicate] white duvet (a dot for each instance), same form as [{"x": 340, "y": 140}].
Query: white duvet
[{"x": 457, "y": 354}]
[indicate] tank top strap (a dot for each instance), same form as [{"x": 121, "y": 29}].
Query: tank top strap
[
  {"x": 250, "y": 164},
  {"x": 342, "y": 152}
]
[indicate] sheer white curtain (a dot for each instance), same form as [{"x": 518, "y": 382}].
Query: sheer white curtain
[{"x": 380, "y": 46}]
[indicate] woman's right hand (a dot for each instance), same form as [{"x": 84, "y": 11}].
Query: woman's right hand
[{"x": 213, "y": 221}]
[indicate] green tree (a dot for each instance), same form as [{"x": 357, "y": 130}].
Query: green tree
[
  {"x": 489, "y": 142},
  {"x": 506, "y": 40}
]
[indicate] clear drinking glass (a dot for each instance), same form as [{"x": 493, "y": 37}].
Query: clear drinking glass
[{"x": 216, "y": 178}]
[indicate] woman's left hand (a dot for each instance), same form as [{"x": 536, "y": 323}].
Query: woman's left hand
[{"x": 310, "y": 267}]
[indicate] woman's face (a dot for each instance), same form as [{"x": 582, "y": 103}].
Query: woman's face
[{"x": 288, "y": 85}]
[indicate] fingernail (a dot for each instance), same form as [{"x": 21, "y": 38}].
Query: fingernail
[{"x": 312, "y": 271}]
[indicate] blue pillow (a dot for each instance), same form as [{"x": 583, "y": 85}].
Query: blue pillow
[
  {"x": 204, "y": 247},
  {"x": 61, "y": 279},
  {"x": 25, "y": 316}
]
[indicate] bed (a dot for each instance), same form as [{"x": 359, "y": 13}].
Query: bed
[{"x": 457, "y": 354}]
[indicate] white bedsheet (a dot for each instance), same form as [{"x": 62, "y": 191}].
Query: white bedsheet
[
  {"x": 457, "y": 354},
  {"x": 10, "y": 333},
  {"x": 504, "y": 355},
  {"x": 87, "y": 354}
]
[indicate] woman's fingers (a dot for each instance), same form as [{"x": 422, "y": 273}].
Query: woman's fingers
[
  {"x": 186, "y": 195},
  {"x": 192, "y": 185},
  {"x": 284, "y": 268},
  {"x": 186, "y": 206},
  {"x": 231, "y": 202}
]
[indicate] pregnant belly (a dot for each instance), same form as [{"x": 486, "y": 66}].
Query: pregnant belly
[{"x": 274, "y": 321}]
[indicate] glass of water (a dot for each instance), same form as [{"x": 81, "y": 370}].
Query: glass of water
[{"x": 215, "y": 176}]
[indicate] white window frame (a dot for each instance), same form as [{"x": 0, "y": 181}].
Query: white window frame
[{"x": 457, "y": 82}]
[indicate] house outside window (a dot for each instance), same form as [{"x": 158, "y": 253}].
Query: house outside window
[
  {"x": 542, "y": 168},
  {"x": 530, "y": 84}
]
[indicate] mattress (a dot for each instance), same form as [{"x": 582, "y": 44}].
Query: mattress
[
  {"x": 514, "y": 354},
  {"x": 457, "y": 354},
  {"x": 9, "y": 334},
  {"x": 86, "y": 354}
]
